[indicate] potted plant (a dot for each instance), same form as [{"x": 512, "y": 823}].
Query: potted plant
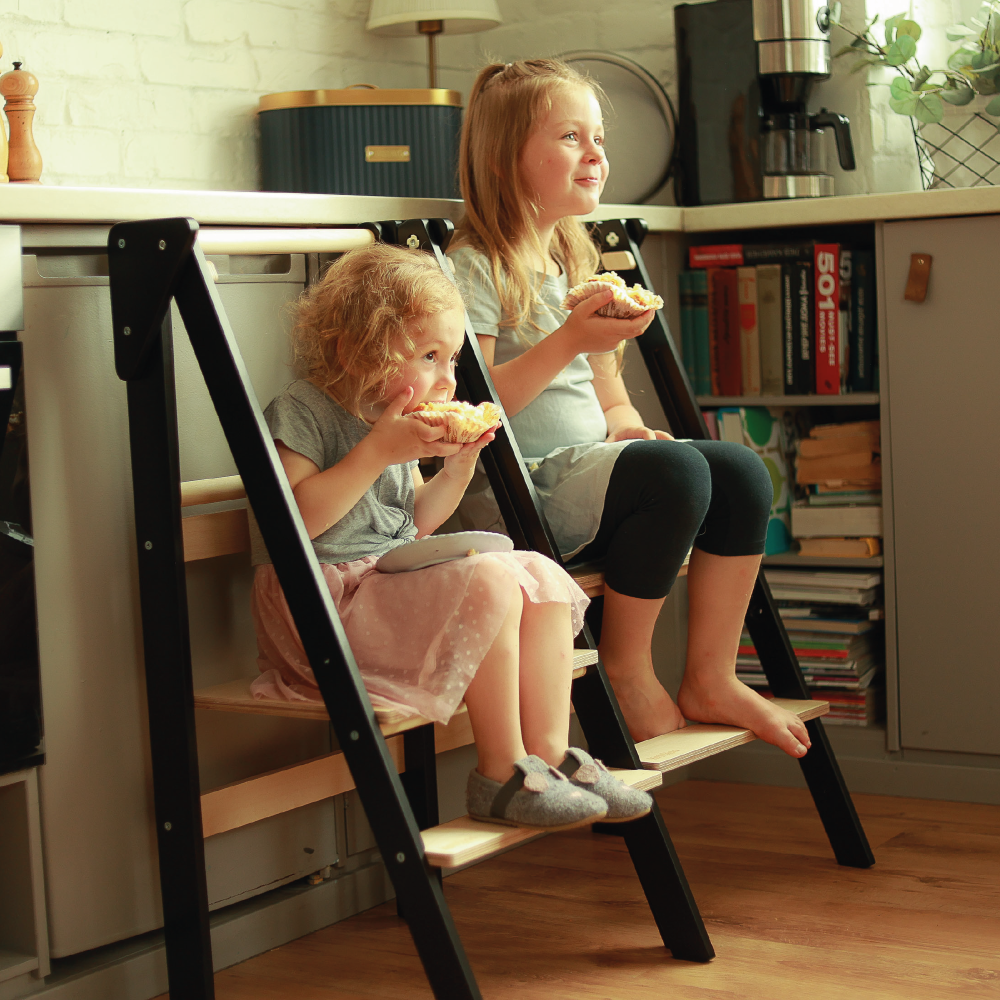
[{"x": 919, "y": 91}]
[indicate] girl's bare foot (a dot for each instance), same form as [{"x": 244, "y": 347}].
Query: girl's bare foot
[
  {"x": 647, "y": 708},
  {"x": 730, "y": 702}
]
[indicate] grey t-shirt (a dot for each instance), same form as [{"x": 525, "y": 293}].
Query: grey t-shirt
[
  {"x": 562, "y": 431},
  {"x": 307, "y": 420},
  {"x": 567, "y": 412}
]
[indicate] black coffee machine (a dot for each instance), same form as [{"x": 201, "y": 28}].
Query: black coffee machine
[{"x": 745, "y": 72}]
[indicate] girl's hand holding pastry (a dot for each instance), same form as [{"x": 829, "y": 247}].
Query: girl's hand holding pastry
[
  {"x": 400, "y": 439},
  {"x": 592, "y": 334}
]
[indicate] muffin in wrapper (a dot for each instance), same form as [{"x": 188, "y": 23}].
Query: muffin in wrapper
[
  {"x": 627, "y": 302},
  {"x": 463, "y": 422}
]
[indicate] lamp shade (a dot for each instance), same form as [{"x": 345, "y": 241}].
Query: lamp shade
[{"x": 458, "y": 17}]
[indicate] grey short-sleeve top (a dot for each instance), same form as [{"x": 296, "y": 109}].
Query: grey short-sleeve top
[
  {"x": 307, "y": 420},
  {"x": 561, "y": 433}
]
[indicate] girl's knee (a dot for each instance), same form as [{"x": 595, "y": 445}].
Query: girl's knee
[{"x": 676, "y": 475}]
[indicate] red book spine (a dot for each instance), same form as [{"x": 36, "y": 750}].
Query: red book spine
[
  {"x": 727, "y": 331},
  {"x": 712, "y": 275},
  {"x": 827, "y": 290},
  {"x": 724, "y": 255}
]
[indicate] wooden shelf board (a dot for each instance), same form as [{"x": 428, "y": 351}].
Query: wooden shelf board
[
  {"x": 698, "y": 741},
  {"x": 464, "y": 840},
  {"x": 794, "y": 559},
  {"x": 848, "y": 399}
]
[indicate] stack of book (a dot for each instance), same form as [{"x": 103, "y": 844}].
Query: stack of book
[
  {"x": 834, "y": 623},
  {"x": 842, "y": 516},
  {"x": 790, "y": 319}
]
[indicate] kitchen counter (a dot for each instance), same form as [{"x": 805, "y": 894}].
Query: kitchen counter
[{"x": 42, "y": 205}]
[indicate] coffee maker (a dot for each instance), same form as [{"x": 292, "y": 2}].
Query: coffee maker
[
  {"x": 746, "y": 69},
  {"x": 793, "y": 53}
]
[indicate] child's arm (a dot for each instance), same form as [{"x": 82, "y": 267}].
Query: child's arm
[
  {"x": 524, "y": 378},
  {"x": 325, "y": 497},
  {"x": 623, "y": 418},
  {"x": 436, "y": 501}
]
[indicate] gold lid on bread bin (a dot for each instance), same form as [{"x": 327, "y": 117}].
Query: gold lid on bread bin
[{"x": 359, "y": 93}]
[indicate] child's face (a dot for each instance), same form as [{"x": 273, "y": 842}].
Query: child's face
[
  {"x": 437, "y": 339},
  {"x": 563, "y": 162}
]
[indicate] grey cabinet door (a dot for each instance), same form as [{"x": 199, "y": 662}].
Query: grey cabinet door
[{"x": 941, "y": 380}]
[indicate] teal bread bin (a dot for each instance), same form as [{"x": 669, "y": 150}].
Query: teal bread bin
[{"x": 362, "y": 140}]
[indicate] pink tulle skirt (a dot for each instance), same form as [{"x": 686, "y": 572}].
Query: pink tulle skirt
[{"x": 418, "y": 637}]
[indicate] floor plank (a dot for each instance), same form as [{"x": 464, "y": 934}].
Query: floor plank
[{"x": 563, "y": 918}]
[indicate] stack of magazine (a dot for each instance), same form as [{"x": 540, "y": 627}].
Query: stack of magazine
[{"x": 834, "y": 620}]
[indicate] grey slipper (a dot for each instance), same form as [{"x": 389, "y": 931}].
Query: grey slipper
[
  {"x": 537, "y": 795},
  {"x": 624, "y": 803}
]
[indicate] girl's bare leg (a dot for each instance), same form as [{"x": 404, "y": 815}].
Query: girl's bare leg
[
  {"x": 493, "y": 699},
  {"x": 626, "y": 637},
  {"x": 718, "y": 594},
  {"x": 546, "y": 679}
]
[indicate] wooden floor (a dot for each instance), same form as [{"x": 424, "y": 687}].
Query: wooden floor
[{"x": 563, "y": 917}]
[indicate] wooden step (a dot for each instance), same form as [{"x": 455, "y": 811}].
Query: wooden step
[
  {"x": 466, "y": 839},
  {"x": 701, "y": 740},
  {"x": 235, "y": 696}
]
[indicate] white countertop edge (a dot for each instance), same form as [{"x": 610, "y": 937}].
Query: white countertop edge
[{"x": 43, "y": 204}]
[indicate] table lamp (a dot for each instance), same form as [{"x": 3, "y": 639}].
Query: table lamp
[{"x": 432, "y": 18}]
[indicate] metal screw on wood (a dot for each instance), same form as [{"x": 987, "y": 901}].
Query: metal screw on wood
[
  {"x": 162, "y": 244},
  {"x": 413, "y": 242},
  {"x": 121, "y": 244},
  {"x": 354, "y": 734},
  {"x": 400, "y": 857},
  {"x": 168, "y": 826},
  {"x": 127, "y": 331},
  {"x": 148, "y": 546}
]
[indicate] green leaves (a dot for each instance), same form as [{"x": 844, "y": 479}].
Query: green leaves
[
  {"x": 890, "y": 27},
  {"x": 993, "y": 108},
  {"x": 901, "y": 50},
  {"x": 929, "y": 108},
  {"x": 959, "y": 96},
  {"x": 909, "y": 28},
  {"x": 925, "y": 107}
]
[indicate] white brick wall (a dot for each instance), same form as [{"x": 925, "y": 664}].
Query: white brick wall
[{"x": 162, "y": 93}]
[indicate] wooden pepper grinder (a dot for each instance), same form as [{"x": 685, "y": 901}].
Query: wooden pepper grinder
[
  {"x": 24, "y": 164},
  {"x": 3, "y": 146}
]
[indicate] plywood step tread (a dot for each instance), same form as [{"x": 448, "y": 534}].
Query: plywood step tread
[
  {"x": 235, "y": 696},
  {"x": 466, "y": 839},
  {"x": 701, "y": 740}
]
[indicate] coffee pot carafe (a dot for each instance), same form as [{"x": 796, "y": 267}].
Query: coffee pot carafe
[{"x": 793, "y": 53}]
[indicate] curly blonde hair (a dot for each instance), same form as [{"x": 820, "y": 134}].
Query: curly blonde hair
[
  {"x": 507, "y": 102},
  {"x": 352, "y": 332}
]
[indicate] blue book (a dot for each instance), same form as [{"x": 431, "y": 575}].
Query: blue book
[{"x": 698, "y": 286}]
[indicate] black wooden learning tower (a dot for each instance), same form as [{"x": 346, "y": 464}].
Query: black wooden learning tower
[{"x": 155, "y": 262}]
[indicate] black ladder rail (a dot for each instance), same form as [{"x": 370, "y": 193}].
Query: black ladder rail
[
  {"x": 656, "y": 863},
  {"x": 150, "y": 263},
  {"x": 781, "y": 667}
]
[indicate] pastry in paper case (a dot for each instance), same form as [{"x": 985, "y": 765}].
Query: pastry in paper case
[
  {"x": 627, "y": 302},
  {"x": 463, "y": 422}
]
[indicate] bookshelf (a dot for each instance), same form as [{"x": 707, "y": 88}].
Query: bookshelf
[{"x": 848, "y": 399}]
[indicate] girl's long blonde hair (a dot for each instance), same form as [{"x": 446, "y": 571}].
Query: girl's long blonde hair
[
  {"x": 353, "y": 329},
  {"x": 506, "y": 104}
]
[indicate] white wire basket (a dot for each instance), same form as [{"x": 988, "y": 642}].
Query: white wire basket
[{"x": 961, "y": 151}]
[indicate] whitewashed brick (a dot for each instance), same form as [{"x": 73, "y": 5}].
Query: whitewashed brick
[
  {"x": 212, "y": 21},
  {"x": 262, "y": 24},
  {"x": 137, "y": 17},
  {"x": 42, "y": 11},
  {"x": 230, "y": 67},
  {"x": 94, "y": 154},
  {"x": 275, "y": 72},
  {"x": 84, "y": 55}
]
